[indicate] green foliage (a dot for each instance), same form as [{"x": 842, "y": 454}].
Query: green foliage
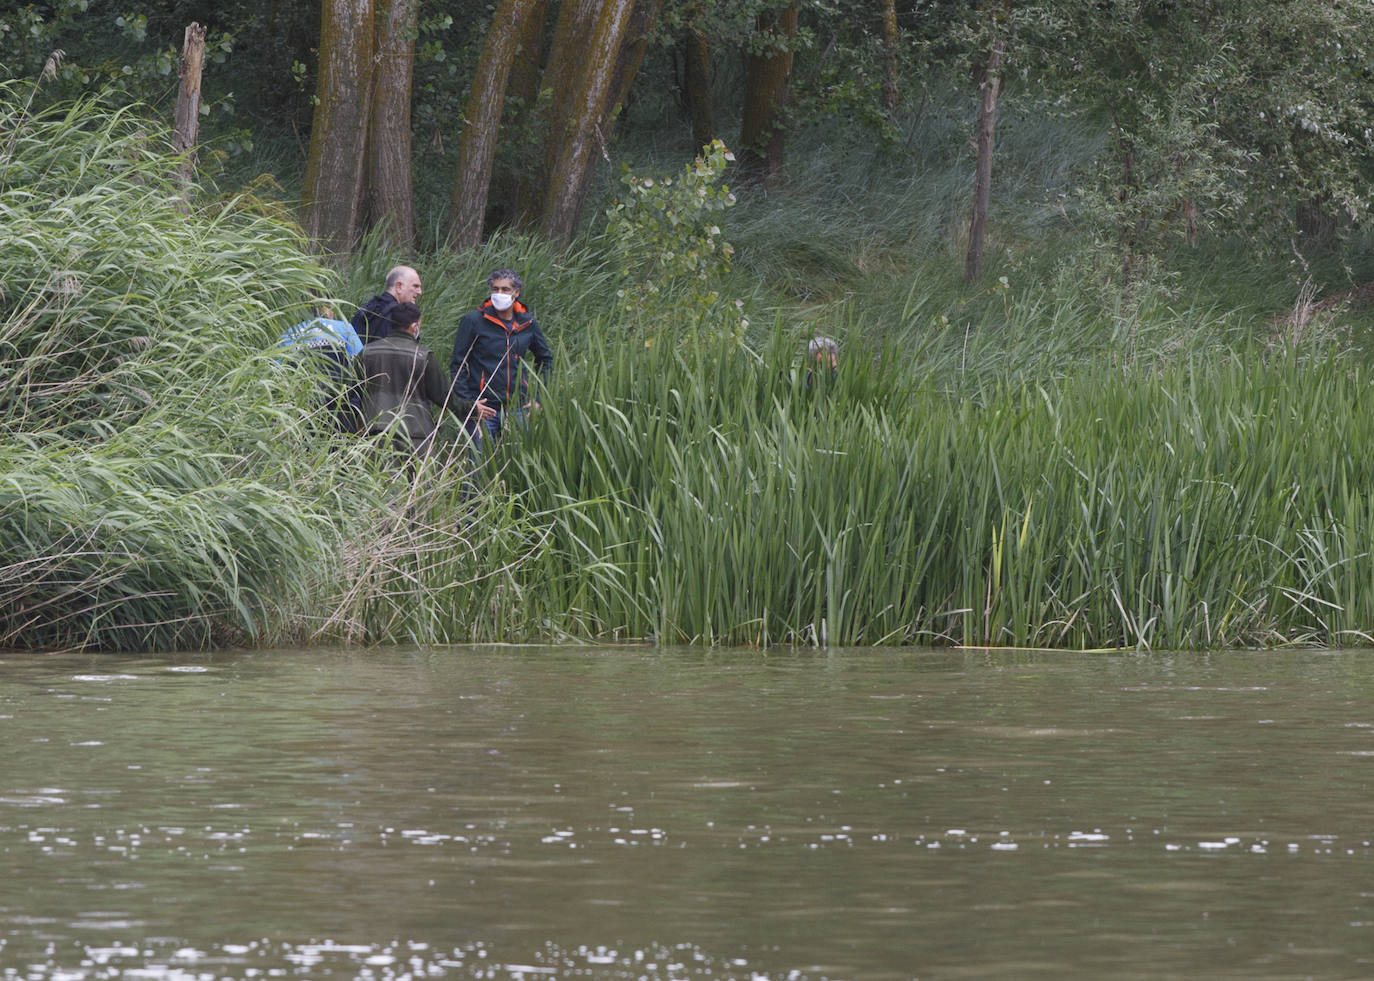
[
  {"x": 1052, "y": 460},
  {"x": 101, "y": 48},
  {"x": 135, "y": 511},
  {"x": 839, "y": 68},
  {"x": 446, "y": 52},
  {"x": 1237, "y": 111},
  {"x": 669, "y": 249}
]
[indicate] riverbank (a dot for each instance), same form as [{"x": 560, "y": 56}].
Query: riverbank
[{"x": 1041, "y": 459}]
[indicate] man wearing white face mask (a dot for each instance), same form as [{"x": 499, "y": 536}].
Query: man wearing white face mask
[{"x": 488, "y": 349}]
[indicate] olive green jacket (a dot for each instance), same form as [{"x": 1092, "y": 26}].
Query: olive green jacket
[{"x": 398, "y": 379}]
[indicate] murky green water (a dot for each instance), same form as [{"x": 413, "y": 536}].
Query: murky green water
[{"x": 532, "y": 813}]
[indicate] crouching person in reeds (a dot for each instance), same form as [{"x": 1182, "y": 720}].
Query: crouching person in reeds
[{"x": 399, "y": 379}]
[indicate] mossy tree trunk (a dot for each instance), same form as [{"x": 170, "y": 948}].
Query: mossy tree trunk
[
  {"x": 697, "y": 82},
  {"x": 642, "y": 20},
  {"x": 389, "y": 183},
  {"x": 767, "y": 72},
  {"x": 594, "y": 56},
  {"x": 566, "y": 58},
  {"x": 482, "y": 119},
  {"x": 576, "y": 124},
  {"x": 332, "y": 193},
  {"x": 514, "y": 174}
]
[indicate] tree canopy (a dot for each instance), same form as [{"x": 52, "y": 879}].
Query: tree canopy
[{"x": 1250, "y": 116}]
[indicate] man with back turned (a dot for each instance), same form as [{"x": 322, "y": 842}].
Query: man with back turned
[
  {"x": 399, "y": 378},
  {"x": 372, "y": 320}
]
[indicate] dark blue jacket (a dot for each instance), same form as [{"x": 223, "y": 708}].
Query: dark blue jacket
[
  {"x": 487, "y": 351},
  {"x": 372, "y": 320}
]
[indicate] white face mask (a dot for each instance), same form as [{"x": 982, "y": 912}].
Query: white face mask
[{"x": 502, "y": 301}]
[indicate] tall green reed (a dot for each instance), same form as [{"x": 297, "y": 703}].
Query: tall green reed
[
  {"x": 1039, "y": 462},
  {"x": 160, "y": 475},
  {"x": 1194, "y": 505}
]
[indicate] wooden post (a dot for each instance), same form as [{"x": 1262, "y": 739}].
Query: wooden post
[
  {"x": 187, "y": 125},
  {"x": 891, "y": 38}
]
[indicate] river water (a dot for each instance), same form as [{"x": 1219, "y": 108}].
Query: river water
[{"x": 524, "y": 812}]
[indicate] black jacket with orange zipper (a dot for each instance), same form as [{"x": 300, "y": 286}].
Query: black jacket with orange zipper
[{"x": 487, "y": 353}]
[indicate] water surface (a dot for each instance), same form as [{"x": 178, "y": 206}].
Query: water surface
[{"x": 666, "y": 813}]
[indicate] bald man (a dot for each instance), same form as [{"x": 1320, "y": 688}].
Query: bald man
[{"x": 373, "y": 319}]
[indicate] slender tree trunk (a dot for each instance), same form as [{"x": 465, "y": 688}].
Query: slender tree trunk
[
  {"x": 1187, "y": 209},
  {"x": 514, "y": 175},
  {"x": 891, "y": 93},
  {"x": 765, "y": 86},
  {"x": 1128, "y": 227},
  {"x": 642, "y": 20},
  {"x": 186, "y": 128},
  {"x": 572, "y": 137},
  {"x": 332, "y": 193},
  {"x": 482, "y": 121},
  {"x": 698, "y": 85},
  {"x": 390, "y": 198},
  {"x": 982, "y": 184},
  {"x": 636, "y": 40}
]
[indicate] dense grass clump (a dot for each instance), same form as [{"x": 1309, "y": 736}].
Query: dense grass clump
[
  {"x": 725, "y": 501},
  {"x": 152, "y": 453},
  {"x": 166, "y": 478}
]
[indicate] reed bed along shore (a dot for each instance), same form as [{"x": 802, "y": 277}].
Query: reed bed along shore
[
  {"x": 1198, "y": 505},
  {"x": 1042, "y": 460}
]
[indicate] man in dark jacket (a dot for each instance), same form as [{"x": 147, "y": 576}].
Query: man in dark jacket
[
  {"x": 397, "y": 376},
  {"x": 487, "y": 351},
  {"x": 372, "y": 320}
]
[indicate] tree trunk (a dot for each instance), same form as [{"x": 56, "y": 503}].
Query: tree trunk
[
  {"x": 514, "y": 176},
  {"x": 187, "y": 125},
  {"x": 390, "y": 193},
  {"x": 568, "y": 59},
  {"x": 482, "y": 121},
  {"x": 765, "y": 92},
  {"x": 332, "y": 192},
  {"x": 698, "y": 85},
  {"x": 1127, "y": 223},
  {"x": 636, "y": 40},
  {"x": 982, "y": 184},
  {"x": 891, "y": 93},
  {"x": 574, "y": 134},
  {"x": 642, "y": 20},
  {"x": 1317, "y": 225}
]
